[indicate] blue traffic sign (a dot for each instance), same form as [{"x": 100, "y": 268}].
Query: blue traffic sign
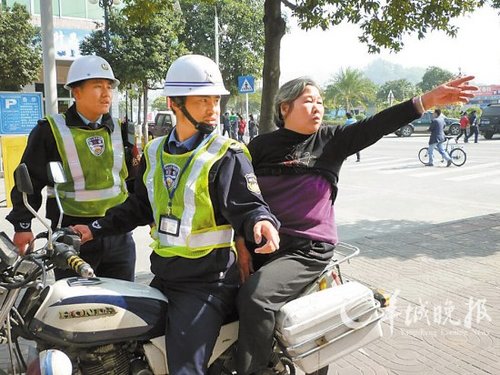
[
  {"x": 246, "y": 84},
  {"x": 19, "y": 111}
]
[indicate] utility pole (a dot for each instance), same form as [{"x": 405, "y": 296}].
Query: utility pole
[{"x": 49, "y": 59}]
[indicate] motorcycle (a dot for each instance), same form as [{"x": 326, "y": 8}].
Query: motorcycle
[{"x": 90, "y": 326}]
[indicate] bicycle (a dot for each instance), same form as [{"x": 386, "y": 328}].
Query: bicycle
[{"x": 457, "y": 154}]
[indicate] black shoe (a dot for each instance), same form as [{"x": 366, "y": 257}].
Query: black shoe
[
  {"x": 429, "y": 165},
  {"x": 448, "y": 163}
]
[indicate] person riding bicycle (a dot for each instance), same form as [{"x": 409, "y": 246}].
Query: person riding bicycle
[
  {"x": 297, "y": 168},
  {"x": 437, "y": 138}
]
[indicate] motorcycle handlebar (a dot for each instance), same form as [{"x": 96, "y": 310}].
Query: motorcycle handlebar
[
  {"x": 66, "y": 249},
  {"x": 81, "y": 267}
]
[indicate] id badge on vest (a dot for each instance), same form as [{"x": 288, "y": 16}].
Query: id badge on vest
[{"x": 170, "y": 225}]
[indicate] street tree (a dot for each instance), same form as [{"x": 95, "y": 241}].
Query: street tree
[
  {"x": 382, "y": 25},
  {"x": 159, "y": 104},
  {"x": 350, "y": 89},
  {"x": 401, "y": 89},
  {"x": 433, "y": 77},
  {"x": 143, "y": 44},
  {"x": 20, "y": 55},
  {"x": 241, "y": 36}
]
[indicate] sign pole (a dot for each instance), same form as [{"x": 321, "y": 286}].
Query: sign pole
[{"x": 246, "y": 128}]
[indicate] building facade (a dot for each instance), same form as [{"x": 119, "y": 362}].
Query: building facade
[
  {"x": 73, "y": 21},
  {"x": 486, "y": 95}
]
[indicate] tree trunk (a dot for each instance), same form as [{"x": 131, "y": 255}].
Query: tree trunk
[
  {"x": 274, "y": 29},
  {"x": 145, "y": 98},
  {"x": 223, "y": 103},
  {"x": 139, "y": 107}
]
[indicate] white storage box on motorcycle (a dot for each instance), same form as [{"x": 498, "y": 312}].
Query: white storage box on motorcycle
[{"x": 319, "y": 328}]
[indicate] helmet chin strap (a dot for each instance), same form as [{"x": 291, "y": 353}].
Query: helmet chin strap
[{"x": 202, "y": 127}]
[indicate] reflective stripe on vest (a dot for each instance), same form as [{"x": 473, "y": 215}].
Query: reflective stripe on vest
[
  {"x": 87, "y": 195},
  {"x": 217, "y": 236},
  {"x": 75, "y": 167}
]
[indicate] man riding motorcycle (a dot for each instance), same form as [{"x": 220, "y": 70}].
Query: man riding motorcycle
[{"x": 195, "y": 186}]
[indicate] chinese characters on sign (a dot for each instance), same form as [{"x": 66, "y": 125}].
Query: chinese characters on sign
[{"x": 19, "y": 111}]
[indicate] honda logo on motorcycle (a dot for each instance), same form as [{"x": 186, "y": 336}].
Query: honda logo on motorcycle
[{"x": 85, "y": 313}]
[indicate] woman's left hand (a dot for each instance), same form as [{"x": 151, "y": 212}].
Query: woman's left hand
[{"x": 458, "y": 91}]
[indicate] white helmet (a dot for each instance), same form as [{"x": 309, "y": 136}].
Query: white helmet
[
  {"x": 90, "y": 67},
  {"x": 192, "y": 75}
]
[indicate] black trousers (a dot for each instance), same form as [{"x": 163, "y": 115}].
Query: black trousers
[
  {"x": 111, "y": 256},
  {"x": 464, "y": 133},
  {"x": 281, "y": 278},
  {"x": 473, "y": 131},
  {"x": 201, "y": 294}
]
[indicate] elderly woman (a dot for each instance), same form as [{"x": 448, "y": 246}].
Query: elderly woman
[{"x": 297, "y": 168}]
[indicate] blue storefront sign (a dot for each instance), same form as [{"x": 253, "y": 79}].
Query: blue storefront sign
[{"x": 19, "y": 111}]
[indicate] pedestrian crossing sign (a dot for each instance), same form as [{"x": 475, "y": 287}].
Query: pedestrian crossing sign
[{"x": 246, "y": 84}]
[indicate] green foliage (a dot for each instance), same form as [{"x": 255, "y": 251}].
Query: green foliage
[
  {"x": 237, "y": 103},
  {"x": 159, "y": 104},
  {"x": 383, "y": 24},
  {"x": 143, "y": 42},
  {"x": 20, "y": 53},
  {"x": 433, "y": 77},
  {"x": 241, "y": 35},
  {"x": 349, "y": 89},
  {"x": 476, "y": 108},
  {"x": 401, "y": 89}
]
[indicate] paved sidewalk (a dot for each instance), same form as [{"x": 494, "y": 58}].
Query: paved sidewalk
[{"x": 445, "y": 311}]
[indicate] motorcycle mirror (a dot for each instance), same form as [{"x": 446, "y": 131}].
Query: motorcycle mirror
[
  {"x": 23, "y": 180},
  {"x": 24, "y": 185},
  {"x": 56, "y": 173}
]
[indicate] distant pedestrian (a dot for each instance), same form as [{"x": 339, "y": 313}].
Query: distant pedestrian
[
  {"x": 473, "y": 121},
  {"x": 350, "y": 121},
  {"x": 226, "y": 125},
  {"x": 242, "y": 124},
  {"x": 464, "y": 124},
  {"x": 233, "y": 120},
  {"x": 437, "y": 138},
  {"x": 253, "y": 127}
]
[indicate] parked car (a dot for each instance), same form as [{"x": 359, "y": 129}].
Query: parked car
[
  {"x": 490, "y": 120},
  {"x": 164, "y": 122},
  {"x": 422, "y": 125}
]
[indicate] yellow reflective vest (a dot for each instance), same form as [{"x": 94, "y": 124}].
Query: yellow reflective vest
[
  {"x": 198, "y": 233},
  {"x": 93, "y": 161}
]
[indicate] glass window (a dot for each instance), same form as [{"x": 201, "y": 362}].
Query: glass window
[
  {"x": 55, "y": 7},
  {"x": 61, "y": 91},
  {"x": 94, "y": 11},
  {"x": 73, "y": 8},
  {"x": 63, "y": 105}
]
